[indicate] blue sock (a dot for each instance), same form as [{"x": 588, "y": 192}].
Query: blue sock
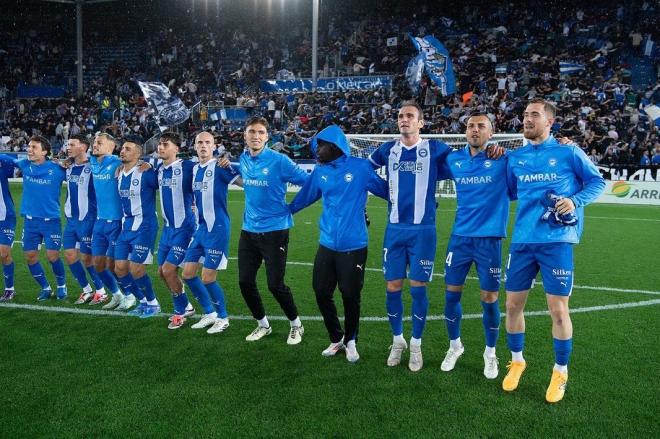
[
  {"x": 453, "y": 314},
  {"x": 37, "y": 272},
  {"x": 180, "y": 303},
  {"x": 128, "y": 286},
  {"x": 200, "y": 293},
  {"x": 491, "y": 321},
  {"x": 78, "y": 272},
  {"x": 9, "y": 275},
  {"x": 218, "y": 297},
  {"x": 563, "y": 349},
  {"x": 96, "y": 279},
  {"x": 420, "y": 307},
  {"x": 515, "y": 342},
  {"x": 144, "y": 285},
  {"x": 394, "y": 305},
  {"x": 109, "y": 281},
  {"x": 58, "y": 271}
]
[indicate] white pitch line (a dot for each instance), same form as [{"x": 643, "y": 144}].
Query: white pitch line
[{"x": 99, "y": 312}]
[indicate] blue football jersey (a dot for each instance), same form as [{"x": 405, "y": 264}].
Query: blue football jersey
[
  {"x": 176, "y": 194},
  {"x": 412, "y": 173},
  {"x": 534, "y": 169},
  {"x": 137, "y": 192},
  {"x": 482, "y": 195},
  {"x": 80, "y": 201},
  {"x": 7, "y": 209},
  {"x": 105, "y": 186},
  {"x": 210, "y": 183},
  {"x": 42, "y": 186}
]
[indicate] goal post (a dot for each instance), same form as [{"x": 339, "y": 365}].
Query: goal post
[{"x": 364, "y": 144}]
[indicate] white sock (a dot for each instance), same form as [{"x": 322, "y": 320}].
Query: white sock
[
  {"x": 87, "y": 289},
  {"x": 10, "y": 288},
  {"x": 560, "y": 368},
  {"x": 415, "y": 341},
  {"x": 61, "y": 286},
  {"x": 120, "y": 294},
  {"x": 456, "y": 344},
  {"x": 152, "y": 302},
  {"x": 143, "y": 300},
  {"x": 517, "y": 356},
  {"x": 264, "y": 322},
  {"x": 350, "y": 344},
  {"x": 101, "y": 291},
  {"x": 189, "y": 307},
  {"x": 489, "y": 352},
  {"x": 297, "y": 323},
  {"x": 398, "y": 339}
]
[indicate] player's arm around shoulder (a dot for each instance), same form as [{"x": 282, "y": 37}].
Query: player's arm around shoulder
[
  {"x": 588, "y": 175},
  {"x": 375, "y": 183},
  {"x": 309, "y": 193},
  {"x": 291, "y": 172}
]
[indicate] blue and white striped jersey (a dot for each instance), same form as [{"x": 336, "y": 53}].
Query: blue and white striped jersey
[
  {"x": 176, "y": 194},
  {"x": 137, "y": 192},
  {"x": 210, "y": 184},
  {"x": 80, "y": 201},
  {"x": 411, "y": 176}
]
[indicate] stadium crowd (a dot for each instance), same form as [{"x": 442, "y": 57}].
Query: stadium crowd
[{"x": 599, "y": 109}]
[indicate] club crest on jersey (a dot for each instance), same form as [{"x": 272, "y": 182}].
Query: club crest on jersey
[
  {"x": 177, "y": 171},
  {"x": 552, "y": 162},
  {"x": 488, "y": 164},
  {"x": 208, "y": 173},
  {"x": 87, "y": 170},
  {"x": 50, "y": 172},
  {"x": 135, "y": 182},
  {"x": 348, "y": 177},
  {"x": 423, "y": 152},
  {"x": 265, "y": 171}
]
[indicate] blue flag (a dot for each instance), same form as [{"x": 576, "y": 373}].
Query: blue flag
[
  {"x": 437, "y": 62},
  {"x": 414, "y": 72},
  {"x": 567, "y": 67},
  {"x": 170, "y": 109}
]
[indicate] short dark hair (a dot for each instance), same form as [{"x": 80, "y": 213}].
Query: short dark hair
[
  {"x": 45, "y": 144},
  {"x": 548, "y": 106},
  {"x": 257, "y": 120},
  {"x": 133, "y": 139},
  {"x": 81, "y": 138},
  {"x": 413, "y": 103},
  {"x": 169, "y": 136},
  {"x": 480, "y": 114}
]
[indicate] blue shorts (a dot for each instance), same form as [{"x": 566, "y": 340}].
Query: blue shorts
[
  {"x": 486, "y": 253},
  {"x": 38, "y": 230},
  {"x": 7, "y": 231},
  {"x": 78, "y": 234},
  {"x": 555, "y": 261},
  {"x": 104, "y": 237},
  {"x": 173, "y": 245},
  {"x": 137, "y": 245},
  {"x": 406, "y": 247},
  {"x": 209, "y": 248}
]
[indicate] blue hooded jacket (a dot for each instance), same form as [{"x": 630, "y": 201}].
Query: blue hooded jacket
[{"x": 343, "y": 184}]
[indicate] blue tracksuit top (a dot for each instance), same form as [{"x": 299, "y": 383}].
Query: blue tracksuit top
[
  {"x": 343, "y": 184},
  {"x": 265, "y": 177},
  {"x": 534, "y": 169}
]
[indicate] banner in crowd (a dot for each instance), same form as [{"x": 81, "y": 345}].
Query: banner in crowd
[
  {"x": 24, "y": 91},
  {"x": 500, "y": 69},
  {"x": 170, "y": 109},
  {"x": 653, "y": 112},
  {"x": 436, "y": 62},
  {"x": 568, "y": 67},
  {"x": 414, "y": 72},
  {"x": 327, "y": 85},
  {"x": 631, "y": 192},
  {"x": 392, "y": 41}
]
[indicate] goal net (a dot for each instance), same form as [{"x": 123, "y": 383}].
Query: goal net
[{"x": 364, "y": 144}]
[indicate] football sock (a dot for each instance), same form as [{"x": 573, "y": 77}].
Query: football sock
[
  {"x": 180, "y": 303},
  {"x": 218, "y": 297},
  {"x": 78, "y": 272},
  {"x": 296, "y": 322},
  {"x": 394, "y": 305},
  {"x": 456, "y": 344},
  {"x": 264, "y": 323},
  {"x": 562, "y": 350},
  {"x": 37, "y": 272},
  {"x": 453, "y": 314},
  {"x": 415, "y": 341},
  {"x": 420, "y": 307},
  {"x": 109, "y": 281},
  {"x": 96, "y": 279},
  {"x": 8, "y": 271},
  {"x": 516, "y": 344},
  {"x": 491, "y": 321},
  {"x": 146, "y": 288},
  {"x": 200, "y": 293},
  {"x": 128, "y": 286},
  {"x": 58, "y": 271},
  {"x": 489, "y": 351}
]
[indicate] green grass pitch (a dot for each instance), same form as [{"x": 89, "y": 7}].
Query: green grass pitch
[{"x": 72, "y": 375}]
